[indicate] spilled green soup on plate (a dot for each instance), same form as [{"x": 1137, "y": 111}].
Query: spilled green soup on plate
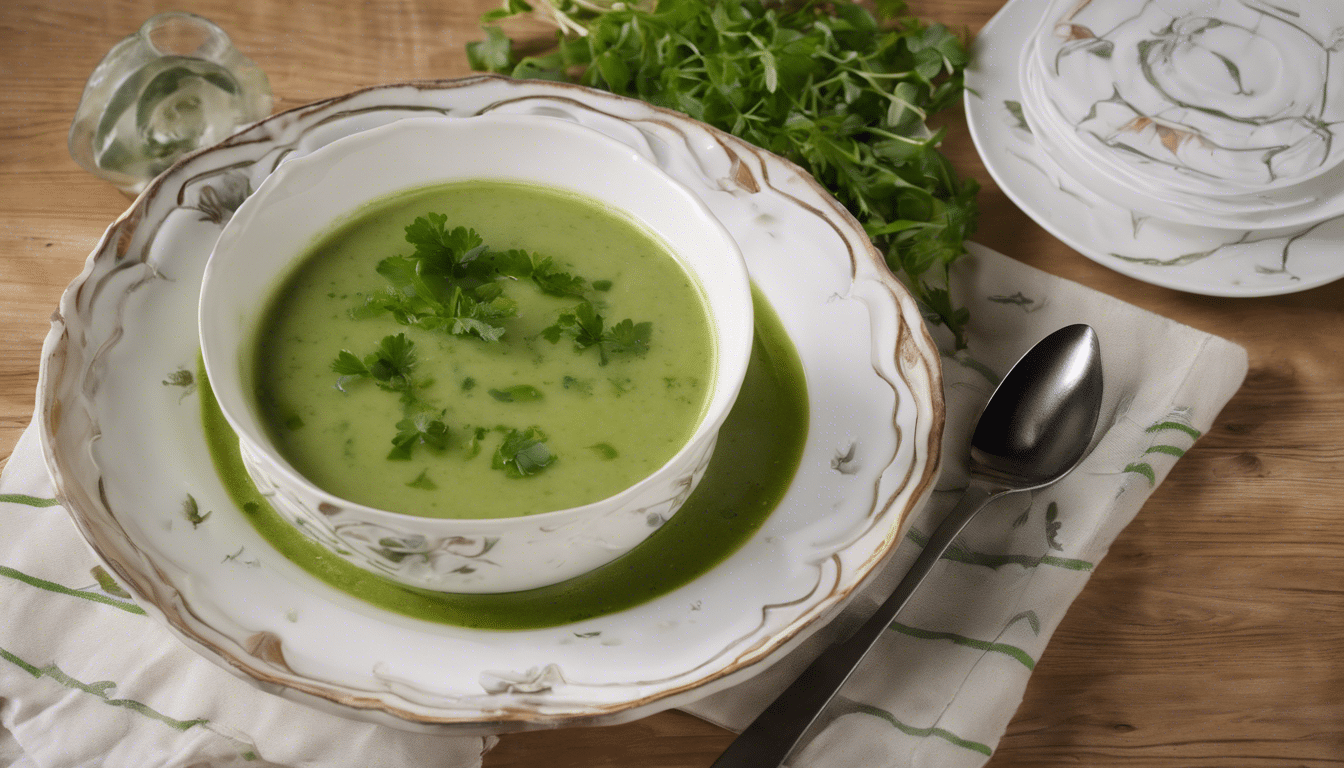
[{"x": 758, "y": 451}]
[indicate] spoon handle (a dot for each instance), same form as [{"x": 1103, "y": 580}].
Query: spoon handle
[{"x": 769, "y": 739}]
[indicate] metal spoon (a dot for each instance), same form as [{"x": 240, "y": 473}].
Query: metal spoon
[{"x": 1035, "y": 429}]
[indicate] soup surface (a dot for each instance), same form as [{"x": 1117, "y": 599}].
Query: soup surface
[{"x": 375, "y": 398}]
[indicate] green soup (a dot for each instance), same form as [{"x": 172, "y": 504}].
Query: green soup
[{"x": 447, "y": 444}]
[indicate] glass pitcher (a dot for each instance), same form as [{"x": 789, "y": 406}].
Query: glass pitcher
[{"x": 176, "y": 85}]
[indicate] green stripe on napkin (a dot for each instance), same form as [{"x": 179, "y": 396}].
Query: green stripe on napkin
[
  {"x": 32, "y": 501},
  {"x": 64, "y": 590},
  {"x": 99, "y": 689},
  {"x": 969, "y": 642},
  {"x": 910, "y": 730}
]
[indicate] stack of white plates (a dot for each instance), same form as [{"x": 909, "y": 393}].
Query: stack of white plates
[{"x": 1213, "y": 113}]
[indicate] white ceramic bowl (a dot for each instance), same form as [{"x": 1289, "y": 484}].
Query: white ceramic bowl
[{"x": 304, "y": 198}]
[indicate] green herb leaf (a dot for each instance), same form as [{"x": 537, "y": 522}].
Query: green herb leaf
[
  {"x": 473, "y": 444},
  {"x": 523, "y": 453},
  {"x": 510, "y": 8},
  {"x": 521, "y": 393},
  {"x": 443, "y": 254},
  {"x": 346, "y": 364},
  {"x": 582, "y": 325},
  {"x": 559, "y": 283},
  {"x": 423, "y": 482},
  {"x": 492, "y": 54},
  {"x": 586, "y": 328},
  {"x": 420, "y": 429},
  {"x": 390, "y": 366},
  {"x": 392, "y": 363},
  {"x": 107, "y": 583},
  {"x": 577, "y": 385},
  {"x": 605, "y": 451},
  {"x": 522, "y": 265},
  {"x": 192, "y": 511},
  {"x": 628, "y": 338},
  {"x": 447, "y": 284},
  {"x": 463, "y": 326},
  {"x": 514, "y": 263}
]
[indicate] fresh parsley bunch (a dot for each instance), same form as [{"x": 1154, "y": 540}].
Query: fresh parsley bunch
[{"x": 822, "y": 83}]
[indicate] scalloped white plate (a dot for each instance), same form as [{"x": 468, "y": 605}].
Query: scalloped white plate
[
  {"x": 1203, "y": 260},
  {"x": 125, "y": 449}
]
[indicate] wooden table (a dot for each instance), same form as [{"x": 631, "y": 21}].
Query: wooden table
[{"x": 1213, "y": 634}]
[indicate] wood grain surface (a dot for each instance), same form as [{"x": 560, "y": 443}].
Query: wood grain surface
[{"x": 1213, "y": 634}]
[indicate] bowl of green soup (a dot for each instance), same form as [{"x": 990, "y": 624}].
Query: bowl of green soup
[{"x": 475, "y": 354}]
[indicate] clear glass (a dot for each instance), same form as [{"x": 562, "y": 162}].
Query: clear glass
[{"x": 176, "y": 85}]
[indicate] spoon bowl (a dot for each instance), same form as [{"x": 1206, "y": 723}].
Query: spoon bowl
[
  {"x": 1036, "y": 427},
  {"x": 1038, "y": 424}
]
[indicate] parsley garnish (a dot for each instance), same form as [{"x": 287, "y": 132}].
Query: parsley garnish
[
  {"x": 523, "y": 453},
  {"x": 445, "y": 284},
  {"x": 389, "y": 366},
  {"x": 628, "y": 338},
  {"x": 473, "y": 446},
  {"x": 192, "y": 511},
  {"x": 578, "y": 385},
  {"x": 107, "y": 583},
  {"x": 541, "y": 270},
  {"x": 452, "y": 281},
  {"x": 821, "y": 83},
  {"x": 522, "y": 393},
  {"x": 423, "y": 482},
  {"x": 419, "y": 429},
  {"x": 586, "y": 328},
  {"x": 605, "y": 451}
]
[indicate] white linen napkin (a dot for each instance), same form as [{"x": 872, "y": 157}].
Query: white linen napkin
[
  {"x": 87, "y": 679},
  {"x": 941, "y": 687}
]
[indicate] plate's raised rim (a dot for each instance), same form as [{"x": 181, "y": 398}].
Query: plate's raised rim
[
  {"x": 258, "y": 659},
  {"x": 982, "y": 126}
]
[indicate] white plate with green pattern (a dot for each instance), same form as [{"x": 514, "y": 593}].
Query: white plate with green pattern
[
  {"x": 1194, "y": 259},
  {"x": 121, "y": 422}
]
